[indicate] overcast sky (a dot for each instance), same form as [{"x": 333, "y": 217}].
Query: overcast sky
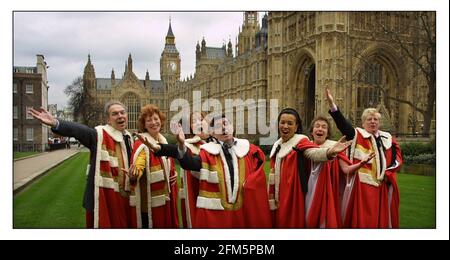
[{"x": 66, "y": 38}]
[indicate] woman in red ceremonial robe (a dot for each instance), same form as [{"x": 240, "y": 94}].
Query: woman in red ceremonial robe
[
  {"x": 323, "y": 200},
  {"x": 189, "y": 183},
  {"x": 289, "y": 170},
  {"x": 189, "y": 179},
  {"x": 154, "y": 196}
]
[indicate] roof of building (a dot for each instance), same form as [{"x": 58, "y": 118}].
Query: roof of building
[
  {"x": 215, "y": 53},
  {"x": 157, "y": 85},
  {"x": 170, "y": 48},
  {"x": 24, "y": 69},
  {"x": 105, "y": 84},
  {"x": 169, "y": 32}
]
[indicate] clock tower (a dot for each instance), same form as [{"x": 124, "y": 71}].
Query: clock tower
[{"x": 170, "y": 60}]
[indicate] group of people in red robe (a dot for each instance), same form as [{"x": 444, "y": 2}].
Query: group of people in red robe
[{"x": 315, "y": 183}]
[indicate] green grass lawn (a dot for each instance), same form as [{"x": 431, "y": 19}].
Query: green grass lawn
[
  {"x": 17, "y": 155},
  {"x": 55, "y": 201},
  {"x": 417, "y": 201}
]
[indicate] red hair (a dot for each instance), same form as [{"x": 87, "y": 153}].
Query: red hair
[{"x": 149, "y": 110}]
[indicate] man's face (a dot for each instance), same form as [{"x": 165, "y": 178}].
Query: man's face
[
  {"x": 118, "y": 117},
  {"x": 223, "y": 130},
  {"x": 372, "y": 123}
]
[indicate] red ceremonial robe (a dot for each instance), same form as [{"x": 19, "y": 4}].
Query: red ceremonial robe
[
  {"x": 160, "y": 195},
  {"x": 111, "y": 190},
  {"x": 189, "y": 186},
  {"x": 323, "y": 197},
  {"x": 286, "y": 196},
  {"x": 371, "y": 198},
  {"x": 220, "y": 206}
]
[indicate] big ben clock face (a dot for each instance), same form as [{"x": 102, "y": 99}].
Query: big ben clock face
[{"x": 173, "y": 66}]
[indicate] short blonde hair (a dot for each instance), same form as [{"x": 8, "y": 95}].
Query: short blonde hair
[{"x": 370, "y": 111}]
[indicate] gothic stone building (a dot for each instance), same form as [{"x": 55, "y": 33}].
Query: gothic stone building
[
  {"x": 290, "y": 57},
  {"x": 135, "y": 92}
]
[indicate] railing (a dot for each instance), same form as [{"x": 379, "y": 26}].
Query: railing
[
  {"x": 414, "y": 137},
  {"x": 28, "y": 147}
]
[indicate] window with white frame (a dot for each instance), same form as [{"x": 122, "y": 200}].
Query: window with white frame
[
  {"x": 29, "y": 89},
  {"x": 15, "y": 88},
  {"x": 15, "y": 134},
  {"x": 15, "y": 112},
  {"x": 26, "y": 113},
  {"x": 30, "y": 134}
]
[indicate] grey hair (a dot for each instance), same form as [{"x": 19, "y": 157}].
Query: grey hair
[
  {"x": 370, "y": 111},
  {"x": 111, "y": 103}
]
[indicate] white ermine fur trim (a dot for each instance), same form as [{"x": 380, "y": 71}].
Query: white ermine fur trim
[
  {"x": 232, "y": 195},
  {"x": 241, "y": 147},
  {"x": 286, "y": 147},
  {"x": 209, "y": 203},
  {"x": 194, "y": 149},
  {"x": 209, "y": 176},
  {"x": 212, "y": 148}
]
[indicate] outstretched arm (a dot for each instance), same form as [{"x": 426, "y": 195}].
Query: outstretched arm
[
  {"x": 325, "y": 154},
  {"x": 338, "y": 147},
  {"x": 342, "y": 123},
  {"x": 169, "y": 150},
  {"x": 191, "y": 162},
  {"x": 349, "y": 169},
  {"x": 86, "y": 135}
]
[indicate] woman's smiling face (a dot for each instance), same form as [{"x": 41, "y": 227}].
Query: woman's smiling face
[
  {"x": 287, "y": 126},
  {"x": 320, "y": 132}
]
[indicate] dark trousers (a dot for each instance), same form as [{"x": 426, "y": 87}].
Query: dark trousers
[{"x": 144, "y": 219}]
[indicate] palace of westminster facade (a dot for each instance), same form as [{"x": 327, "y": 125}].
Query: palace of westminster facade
[{"x": 290, "y": 57}]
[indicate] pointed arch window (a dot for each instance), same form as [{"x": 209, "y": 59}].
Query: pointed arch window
[
  {"x": 133, "y": 104},
  {"x": 369, "y": 90}
]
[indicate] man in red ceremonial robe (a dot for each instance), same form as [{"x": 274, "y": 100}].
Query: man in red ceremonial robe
[
  {"x": 232, "y": 184},
  {"x": 371, "y": 198},
  {"x": 106, "y": 198}
]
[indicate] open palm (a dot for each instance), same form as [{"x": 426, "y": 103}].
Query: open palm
[
  {"x": 152, "y": 146},
  {"x": 339, "y": 146},
  {"x": 43, "y": 116}
]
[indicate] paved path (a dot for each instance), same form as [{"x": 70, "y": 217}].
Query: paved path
[{"x": 28, "y": 169}]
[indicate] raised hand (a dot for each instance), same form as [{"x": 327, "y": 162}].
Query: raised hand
[
  {"x": 180, "y": 135},
  {"x": 350, "y": 169},
  {"x": 152, "y": 146},
  {"x": 366, "y": 159},
  {"x": 43, "y": 116},
  {"x": 329, "y": 97},
  {"x": 338, "y": 147}
]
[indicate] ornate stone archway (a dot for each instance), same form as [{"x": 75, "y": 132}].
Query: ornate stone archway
[
  {"x": 378, "y": 85},
  {"x": 302, "y": 86}
]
